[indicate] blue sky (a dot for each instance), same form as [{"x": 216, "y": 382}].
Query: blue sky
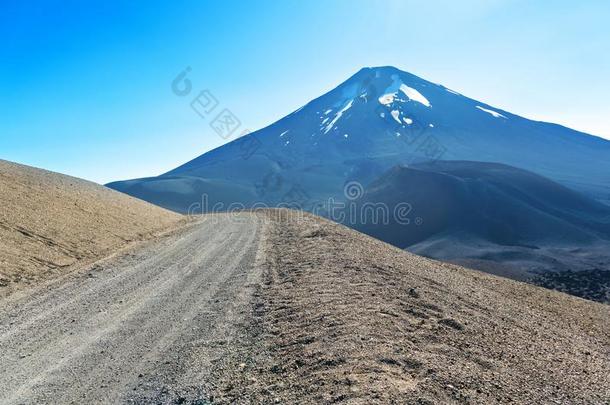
[{"x": 85, "y": 87}]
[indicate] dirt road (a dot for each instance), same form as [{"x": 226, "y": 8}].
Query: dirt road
[
  {"x": 135, "y": 327},
  {"x": 273, "y": 307}
]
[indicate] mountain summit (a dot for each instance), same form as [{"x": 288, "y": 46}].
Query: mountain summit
[{"x": 378, "y": 118}]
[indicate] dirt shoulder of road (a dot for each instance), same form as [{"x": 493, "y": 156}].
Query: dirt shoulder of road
[
  {"x": 52, "y": 224},
  {"x": 341, "y": 317}
]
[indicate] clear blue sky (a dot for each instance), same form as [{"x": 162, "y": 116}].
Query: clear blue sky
[{"x": 85, "y": 86}]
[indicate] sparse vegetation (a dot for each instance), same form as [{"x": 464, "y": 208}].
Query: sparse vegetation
[{"x": 589, "y": 284}]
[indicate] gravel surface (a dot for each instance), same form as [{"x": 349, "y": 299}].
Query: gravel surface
[{"x": 147, "y": 326}]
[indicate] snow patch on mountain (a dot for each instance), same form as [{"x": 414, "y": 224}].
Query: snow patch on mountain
[
  {"x": 391, "y": 93},
  {"x": 414, "y": 95},
  {"x": 492, "y": 112},
  {"x": 387, "y": 99},
  {"x": 338, "y": 115},
  {"x": 396, "y": 116}
]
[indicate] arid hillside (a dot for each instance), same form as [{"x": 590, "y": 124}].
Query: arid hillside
[
  {"x": 340, "y": 317},
  {"x": 50, "y": 222}
]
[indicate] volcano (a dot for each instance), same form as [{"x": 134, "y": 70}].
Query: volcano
[{"x": 379, "y": 118}]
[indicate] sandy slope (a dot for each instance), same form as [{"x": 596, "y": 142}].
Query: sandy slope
[{"x": 49, "y": 222}]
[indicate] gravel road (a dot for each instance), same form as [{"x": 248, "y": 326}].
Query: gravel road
[{"x": 146, "y": 325}]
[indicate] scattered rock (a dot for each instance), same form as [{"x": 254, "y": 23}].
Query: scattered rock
[{"x": 452, "y": 323}]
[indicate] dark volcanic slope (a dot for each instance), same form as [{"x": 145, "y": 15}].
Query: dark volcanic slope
[
  {"x": 493, "y": 202},
  {"x": 485, "y": 212},
  {"x": 378, "y": 118}
]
